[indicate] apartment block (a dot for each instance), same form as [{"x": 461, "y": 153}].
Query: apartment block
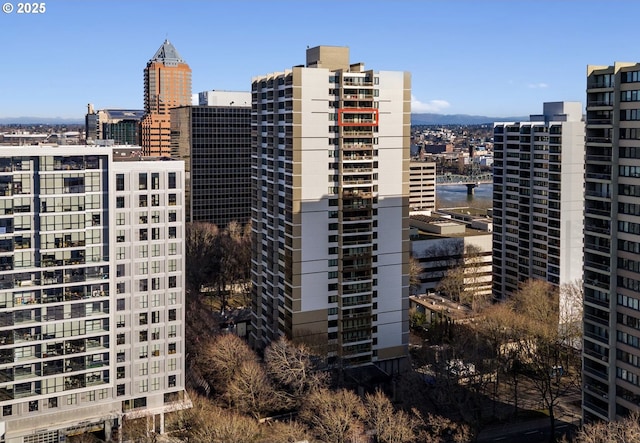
[
  {"x": 538, "y": 190},
  {"x": 422, "y": 186},
  {"x": 91, "y": 292},
  {"x": 120, "y": 125},
  {"x": 330, "y": 170},
  {"x": 215, "y": 144},
  {"x": 611, "y": 348}
]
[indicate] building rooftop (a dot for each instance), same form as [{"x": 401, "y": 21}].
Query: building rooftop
[
  {"x": 167, "y": 54},
  {"x": 124, "y": 114},
  {"x": 424, "y": 227}
]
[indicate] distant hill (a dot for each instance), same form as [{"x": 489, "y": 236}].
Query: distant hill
[
  {"x": 41, "y": 120},
  {"x": 459, "y": 119}
]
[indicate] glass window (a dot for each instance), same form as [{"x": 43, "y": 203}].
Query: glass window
[
  {"x": 119, "y": 182},
  {"x": 142, "y": 180}
]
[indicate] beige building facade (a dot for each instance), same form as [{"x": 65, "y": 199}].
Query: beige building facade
[{"x": 330, "y": 210}]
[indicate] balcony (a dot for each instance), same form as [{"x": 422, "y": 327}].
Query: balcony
[
  {"x": 595, "y": 354},
  {"x": 357, "y": 132},
  {"x": 593, "y": 103},
  {"x": 599, "y": 408},
  {"x": 599, "y": 140},
  {"x": 597, "y": 319},
  {"x": 598, "y": 176},
  {"x": 354, "y": 180},
  {"x": 602, "y": 338},
  {"x": 349, "y": 194},
  {"x": 595, "y": 265},
  {"x": 598, "y": 121},
  {"x": 599, "y": 158}
]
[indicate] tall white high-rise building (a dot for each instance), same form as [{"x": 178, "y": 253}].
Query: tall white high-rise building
[
  {"x": 330, "y": 210},
  {"x": 538, "y": 195},
  {"x": 611, "y": 350},
  {"x": 91, "y": 292}
]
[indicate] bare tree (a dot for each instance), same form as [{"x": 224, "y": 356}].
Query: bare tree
[
  {"x": 206, "y": 422},
  {"x": 200, "y": 251},
  {"x": 218, "y": 260},
  {"x": 222, "y": 359},
  {"x": 279, "y": 431},
  {"x": 233, "y": 253},
  {"x": 333, "y": 417},
  {"x": 452, "y": 285},
  {"x": 626, "y": 430},
  {"x": 291, "y": 367},
  {"x": 549, "y": 361},
  {"x": 252, "y": 393},
  {"x": 438, "y": 429},
  {"x": 501, "y": 328},
  {"x": 390, "y": 426},
  {"x": 414, "y": 274},
  {"x": 136, "y": 430},
  {"x": 468, "y": 281}
]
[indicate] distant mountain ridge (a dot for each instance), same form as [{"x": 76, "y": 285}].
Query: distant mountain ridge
[
  {"x": 416, "y": 119},
  {"x": 460, "y": 119},
  {"x": 41, "y": 120}
]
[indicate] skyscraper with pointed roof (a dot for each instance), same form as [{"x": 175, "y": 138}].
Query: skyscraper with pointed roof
[{"x": 167, "y": 84}]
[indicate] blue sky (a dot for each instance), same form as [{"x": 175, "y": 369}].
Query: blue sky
[{"x": 494, "y": 58}]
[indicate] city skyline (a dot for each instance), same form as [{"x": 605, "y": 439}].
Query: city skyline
[{"x": 454, "y": 50}]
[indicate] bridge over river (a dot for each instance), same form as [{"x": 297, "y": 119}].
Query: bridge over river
[{"x": 470, "y": 180}]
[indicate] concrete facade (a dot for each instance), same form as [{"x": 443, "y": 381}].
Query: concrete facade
[
  {"x": 611, "y": 348},
  {"x": 538, "y": 199},
  {"x": 330, "y": 210},
  {"x": 91, "y": 309}
]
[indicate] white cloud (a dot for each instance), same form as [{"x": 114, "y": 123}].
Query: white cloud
[
  {"x": 538, "y": 85},
  {"x": 434, "y": 106}
]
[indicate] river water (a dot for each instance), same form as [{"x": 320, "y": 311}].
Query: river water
[{"x": 451, "y": 196}]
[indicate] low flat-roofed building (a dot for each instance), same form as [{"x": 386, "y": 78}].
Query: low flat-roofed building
[{"x": 441, "y": 243}]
